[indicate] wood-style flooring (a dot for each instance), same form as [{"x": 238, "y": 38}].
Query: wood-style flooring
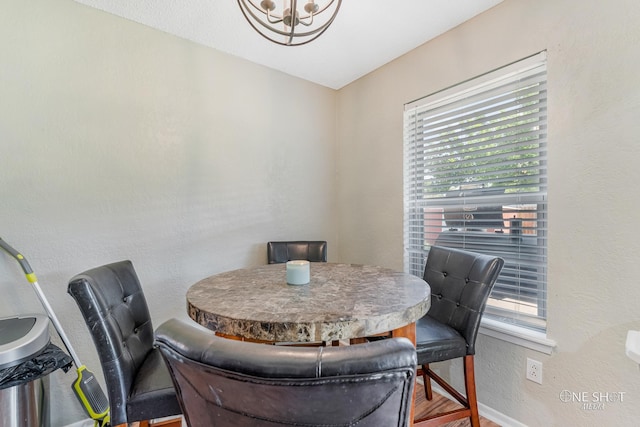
[
  {"x": 423, "y": 408},
  {"x": 442, "y": 404}
]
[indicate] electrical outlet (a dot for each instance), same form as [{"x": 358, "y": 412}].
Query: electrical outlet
[{"x": 534, "y": 371}]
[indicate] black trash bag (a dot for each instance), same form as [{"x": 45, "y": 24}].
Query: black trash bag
[{"x": 39, "y": 365}]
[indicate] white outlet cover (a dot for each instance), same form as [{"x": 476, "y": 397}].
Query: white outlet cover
[{"x": 537, "y": 377}]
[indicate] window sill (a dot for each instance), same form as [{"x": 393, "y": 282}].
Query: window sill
[{"x": 523, "y": 337}]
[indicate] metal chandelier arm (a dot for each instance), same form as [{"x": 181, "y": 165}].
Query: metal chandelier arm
[{"x": 263, "y": 20}]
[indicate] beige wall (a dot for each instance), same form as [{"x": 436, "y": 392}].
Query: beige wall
[
  {"x": 118, "y": 141},
  {"x": 594, "y": 105}
]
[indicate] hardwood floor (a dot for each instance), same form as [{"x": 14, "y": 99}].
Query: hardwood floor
[
  {"x": 437, "y": 405},
  {"x": 442, "y": 404}
]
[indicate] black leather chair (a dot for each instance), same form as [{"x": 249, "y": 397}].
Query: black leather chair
[
  {"x": 115, "y": 310},
  {"x": 310, "y": 250},
  {"x": 460, "y": 282},
  {"x": 279, "y": 252},
  {"x": 223, "y": 382}
]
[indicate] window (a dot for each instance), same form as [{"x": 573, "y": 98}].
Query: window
[{"x": 475, "y": 177}]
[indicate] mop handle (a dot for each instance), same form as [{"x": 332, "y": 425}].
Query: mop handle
[{"x": 31, "y": 277}]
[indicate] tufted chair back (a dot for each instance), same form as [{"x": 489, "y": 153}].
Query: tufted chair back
[
  {"x": 280, "y": 252},
  {"x": 460, "y": 284},
  {"x": 115, "y": 310},
  {"x": 233, "y": 383}
]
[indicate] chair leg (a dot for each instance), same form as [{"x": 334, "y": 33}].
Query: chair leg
[
  {"x": 173, "y": 422},
  {"x": 469, "y": 403},
  {"x": 470, "y": 387},
  {"x": 427, "y": 382}
]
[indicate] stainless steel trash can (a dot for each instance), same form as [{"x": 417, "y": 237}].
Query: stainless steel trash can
[
  {"x": 24, "y": 400},
  {"x": 25, "y": 405}
]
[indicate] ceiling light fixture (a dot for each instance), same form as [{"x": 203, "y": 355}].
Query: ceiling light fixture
[{"x": 290, "y": 26}]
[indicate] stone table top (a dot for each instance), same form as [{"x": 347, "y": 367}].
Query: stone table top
[{"x": 342, "y": 301}]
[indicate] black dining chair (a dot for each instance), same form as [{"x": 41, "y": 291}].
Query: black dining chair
[
  {"x": 310, "y": 250},
  {"x": 115, "y": 310},
  {"x": 223, "y": 382},
  {"x": 280, "y": 252},
  {"x": 460, "y": 282}
]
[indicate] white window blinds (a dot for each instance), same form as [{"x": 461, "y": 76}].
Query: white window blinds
[{"x": 475, "y": 177}]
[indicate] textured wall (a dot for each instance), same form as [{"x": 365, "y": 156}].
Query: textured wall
[
  {"x": 594, "y": 105},
  {"x": 118, "y": 141}
]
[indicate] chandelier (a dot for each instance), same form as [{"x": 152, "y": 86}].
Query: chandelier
[{"x": 290, "y": 26}]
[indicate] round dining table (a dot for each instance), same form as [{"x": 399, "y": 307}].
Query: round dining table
[{"x": 340, "y": 302}]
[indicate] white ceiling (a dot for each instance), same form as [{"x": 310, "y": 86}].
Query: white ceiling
[{"x": 365, "y": 35}]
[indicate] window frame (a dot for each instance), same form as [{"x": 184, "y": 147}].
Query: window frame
[{"x": 506, "y": 328}]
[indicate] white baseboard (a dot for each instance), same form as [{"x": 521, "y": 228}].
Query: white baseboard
[{"x": 498, "y": 417}]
